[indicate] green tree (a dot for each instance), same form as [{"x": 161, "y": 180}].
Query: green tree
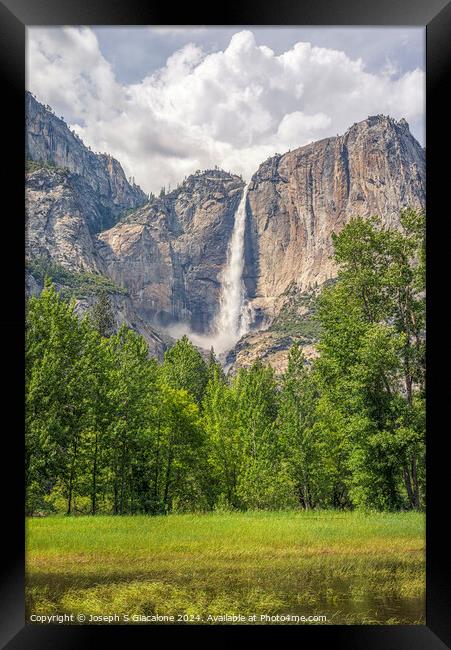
[
  {"x": 99, "y": 414},
  {"x": 178, "y": 449},
  {"x": 304, "y": 453},
  {"x": 102, "y": 316},
  {"x": 184, "y": 368},
  {"x": 264, "y": 482},
  {"x": 214, "y": 368},
  {"x": 133, "y": 378},
  {"x": 224, "y": 444},
  {"x": 372, "y": 357},
  {"x": 55, "y": 394}
]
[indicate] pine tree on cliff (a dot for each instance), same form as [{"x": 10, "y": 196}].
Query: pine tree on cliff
[{"x": 101, "y": 315}]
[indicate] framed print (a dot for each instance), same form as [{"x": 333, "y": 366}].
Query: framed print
[{"x": 215, "y": 324}]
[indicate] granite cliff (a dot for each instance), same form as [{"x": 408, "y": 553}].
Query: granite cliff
[
  {"x": 297, "y": 200},
  {"x": 71, "y": 194},
  {"x": 50, "y": 141},
  {"x": 170, "y": 252},
  {"x": 166, "y": 255}
]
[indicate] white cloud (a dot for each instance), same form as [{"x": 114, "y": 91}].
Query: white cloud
[{"x": 231, "y": 108}]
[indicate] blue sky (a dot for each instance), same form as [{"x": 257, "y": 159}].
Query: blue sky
[{"x": 169, "y": 100}]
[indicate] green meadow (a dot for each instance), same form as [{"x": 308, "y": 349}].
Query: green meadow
[{"x": 352, "y": 567}]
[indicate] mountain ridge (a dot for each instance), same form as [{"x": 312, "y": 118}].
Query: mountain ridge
[
  {"x": 168, "y": 252},
  {"x": 49, "y": 140}
]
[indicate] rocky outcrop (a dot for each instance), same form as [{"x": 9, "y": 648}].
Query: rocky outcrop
[
  {"x": 170, "y": 253},
  {"x": 299, "y": 199},
  {"x": 85, "y": 294},
  {"x": 49, "y": 140},
  {"x": 268, "y": 347},
  {"x": 295, "y": 322},
  {"x": 60, "y": 210},
  {"x": 125, "y": 312},
  {"x": 70, "y": 195}
]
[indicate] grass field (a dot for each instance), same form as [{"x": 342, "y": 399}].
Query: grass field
[{"x": 350, "y": 567}]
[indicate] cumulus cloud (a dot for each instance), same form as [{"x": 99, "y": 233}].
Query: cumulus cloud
[{"x": 233, "y": 107}]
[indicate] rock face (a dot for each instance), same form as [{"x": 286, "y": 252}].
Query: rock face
[
  {"x": 299, "y": 199},
  {"x": 125, "y": 312},
  {"x": 49, "y": 140},
  {"x": 70, "y": 195},
  {"x": 269, "y": 348},
  {"x": 296, "y": 321},
  {"x": 170, "y": 253},
  {"x": 167, "y": 254},
  {"x": 61, "y": 209}
]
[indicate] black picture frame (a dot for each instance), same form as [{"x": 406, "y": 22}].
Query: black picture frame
[{"x": 15, "y": 15}]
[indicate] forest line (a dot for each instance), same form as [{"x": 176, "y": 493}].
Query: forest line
[{"x": 111, "y": 431}]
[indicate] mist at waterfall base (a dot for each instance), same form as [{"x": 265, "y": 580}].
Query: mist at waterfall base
[{"x": 235, "y": 314}]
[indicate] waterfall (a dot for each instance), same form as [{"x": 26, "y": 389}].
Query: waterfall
[
  {"x": 235, "y": 314},
  {"x": 234, "y": 317}
]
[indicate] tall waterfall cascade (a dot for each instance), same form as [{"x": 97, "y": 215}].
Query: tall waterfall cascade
[{"x": 235, "y": 314}]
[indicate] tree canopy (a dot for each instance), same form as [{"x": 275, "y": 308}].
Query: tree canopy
[{"x": 110, "y": 430}]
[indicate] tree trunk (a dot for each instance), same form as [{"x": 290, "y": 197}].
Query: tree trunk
[
  {"x": 408, "y": 485},
  {"x": 71, "y": 477},
  {"x": 115, "y": 504},
  {"x": 408, "y": 383},
  {"x": 157, "y": 466},
  {"x": 124, "y": 453},
  {"x": 416, "y": 490},
  {"x": 305, "y": 491},
  {"x": 167, "y": 480},
  {"x": 94, "y": 478},
  {"x": 301, "y": 497}
]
